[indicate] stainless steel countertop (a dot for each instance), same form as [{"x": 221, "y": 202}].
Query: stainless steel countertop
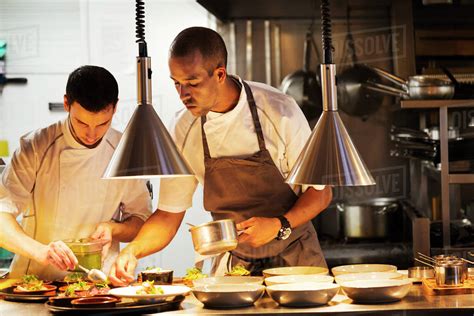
[{"x": 414, "y": 301}]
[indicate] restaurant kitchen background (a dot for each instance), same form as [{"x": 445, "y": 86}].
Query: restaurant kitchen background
[{"x": 385, "y": 223}]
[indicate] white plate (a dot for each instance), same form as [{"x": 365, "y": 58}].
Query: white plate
[
  {"x": 284, "y": 279},
  {"x": 229, "y": 280},
  {"x": 367, "y": 276},
  {"x": 363, "y": 268},
  {"x": 170, "y": 292},
  {"x": 376, "y": 291},
  {"x": 302, "y": 294}
]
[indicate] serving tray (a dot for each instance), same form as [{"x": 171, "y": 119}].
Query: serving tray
[
  {"x": 125, "y": 307},
  {"x": 430, "y": 288}
]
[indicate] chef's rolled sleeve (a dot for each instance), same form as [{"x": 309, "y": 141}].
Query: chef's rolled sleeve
[
  {"x": 18, "y": 179},
  {"x": 176, "y": 194}
]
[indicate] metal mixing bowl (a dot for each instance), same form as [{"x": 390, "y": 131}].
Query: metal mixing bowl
[{"x": 228, "y": 295}]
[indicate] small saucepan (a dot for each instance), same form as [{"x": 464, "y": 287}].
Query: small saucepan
[
  {"x": 417, "y": 87},
  {"x": 214, "y": 237}
]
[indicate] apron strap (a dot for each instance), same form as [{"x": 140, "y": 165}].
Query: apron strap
[
  {"x": 256, "y": 123},
  {"x": 205, "y": 146}
]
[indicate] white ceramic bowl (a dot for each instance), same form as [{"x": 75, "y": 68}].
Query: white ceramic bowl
[
  {"x": 363, "y": 268},
  {"x": 229, "y": 280},
  {"x": 294, "y": 271},
  {"x": 367, "y": 276},
  {"x": 376, "y": 291},
  {"x": 302, "y": 278},
  {"x": 228, "y": 295},
  {"x": 302, "y": 294}
]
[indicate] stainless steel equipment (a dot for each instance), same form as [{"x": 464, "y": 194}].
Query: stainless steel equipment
[
  {"x": 417, "y": 87},
  {"x": 214, "y": 237},
  {"x": 449, "y": 270},
  {"x": 367, "y": 219}
]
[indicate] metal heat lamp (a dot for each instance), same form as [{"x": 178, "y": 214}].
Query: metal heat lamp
[
  {"x": 329, "y": 157},
  {"x": 146, "y": 149}
]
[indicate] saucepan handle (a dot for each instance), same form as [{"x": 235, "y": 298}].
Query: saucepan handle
[
  {"x": 390, "y": 77},
  {"x": 385, "y": 89}
]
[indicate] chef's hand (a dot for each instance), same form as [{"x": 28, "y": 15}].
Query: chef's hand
[
  {"x": 104, "y": 233},
  {"x": 257, "y": 231},
  {"x": 56, "y": 253},
  {"x": 121, "y": 273}
]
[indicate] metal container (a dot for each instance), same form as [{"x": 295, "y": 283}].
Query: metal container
[
  {"x": 419, "y": 273},
  {"x": 214, "y": 237},
  {"x": 368, "y": 219},
  {"x": 450, "y": 272}
]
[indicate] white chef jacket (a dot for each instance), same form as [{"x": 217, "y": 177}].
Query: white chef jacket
[
  {"x": 55, "y": 183},
  {"x": 232, "y": 134}
]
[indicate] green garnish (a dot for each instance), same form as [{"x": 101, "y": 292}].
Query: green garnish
[
  {"x": 238, "y": 270},
  {"x": 74, "y": 277},
  {"x": 153, "y": 268},
  {"x": 194, "y": 274},
  {"x": 29, "y": 278},
  {"x": 148, "y": 287}
]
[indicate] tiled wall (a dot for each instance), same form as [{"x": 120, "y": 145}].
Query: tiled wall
[{"x": 48, "y": 39}]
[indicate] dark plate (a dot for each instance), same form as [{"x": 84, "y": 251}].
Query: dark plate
[
  {"x": 9, "y": 295},
  {"x": 120, "y": 308}
]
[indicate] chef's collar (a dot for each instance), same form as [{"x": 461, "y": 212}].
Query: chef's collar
[
  {"x": 241, "y": 103},
  {"x": 72, "y": 142}
]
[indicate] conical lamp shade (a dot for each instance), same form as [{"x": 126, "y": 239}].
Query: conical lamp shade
[
  {"x": 329, "y": 157},
  {"x": 146, "y": 149}
]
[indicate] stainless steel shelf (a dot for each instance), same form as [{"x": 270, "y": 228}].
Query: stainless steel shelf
[
  {"x": 461, "y": 178},
  {"x": 430, "y": 104}
]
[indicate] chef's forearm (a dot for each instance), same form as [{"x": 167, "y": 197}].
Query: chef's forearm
[
  {"x": 126, "y": 231},
  {"x": 155, "y": 234},
  {"x": 309, "y": 205},
  {"x": 14, "y": 239}
]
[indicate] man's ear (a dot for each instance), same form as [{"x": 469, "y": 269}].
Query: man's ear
[
  {"x": 66, "y": 104},
  {"x": 221, "y": 74}
]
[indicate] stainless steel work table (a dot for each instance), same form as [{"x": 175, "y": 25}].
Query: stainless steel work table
[{"x": 415, "y": 303}]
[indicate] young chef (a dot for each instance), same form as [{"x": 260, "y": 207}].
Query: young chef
[
  {"x": 241, "y": 139},
  {"x": 54, "y": 182}
]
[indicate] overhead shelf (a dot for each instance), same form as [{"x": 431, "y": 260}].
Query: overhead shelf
[
  {"x": 461, "y": 178},
  {"x": 427, "y": 104},
  {"x": 228, "y": 10}
]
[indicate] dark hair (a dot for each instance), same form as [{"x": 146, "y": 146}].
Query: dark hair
[
  {"x": 93, "y": 87},
  {"x": 208, "y": 42}
]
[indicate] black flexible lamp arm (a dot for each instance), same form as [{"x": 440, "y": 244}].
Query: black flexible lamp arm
[
  {"x": 143, "y": 61},
  {"x": 326, "y": 32},
  {"x": 140, "y": 27}
]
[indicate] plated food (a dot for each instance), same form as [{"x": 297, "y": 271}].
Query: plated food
[
  {"x": 228, "y": 295},
  {"x": 302, "y": 294},
  {"x": 158, "y": 275},
  {"x": 238, "y": 270},
  {"x": 30, "y": 284},
  {"x": 193, "y": 274},
  {"x": 363, "y": 268},
  {"x": 376, "y": 291},
  {"x": 169, "y": 292}
]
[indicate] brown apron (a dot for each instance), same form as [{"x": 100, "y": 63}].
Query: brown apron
[{"x": 241, "y": 188}]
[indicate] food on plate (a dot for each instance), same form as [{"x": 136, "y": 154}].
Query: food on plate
[
  {"x": 193, "y": 274},
  {"x": 148, "y": 287},
  {"x": 160, "y": 276},
  {"x": 76, "y": 287},
  {"x": 238, "y": 270},
  {"x": 75, "y": 277},
  {"x": 31, "y": 283}
]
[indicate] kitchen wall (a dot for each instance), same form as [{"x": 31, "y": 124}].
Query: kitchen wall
[{"x": 46, "y": 40}]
